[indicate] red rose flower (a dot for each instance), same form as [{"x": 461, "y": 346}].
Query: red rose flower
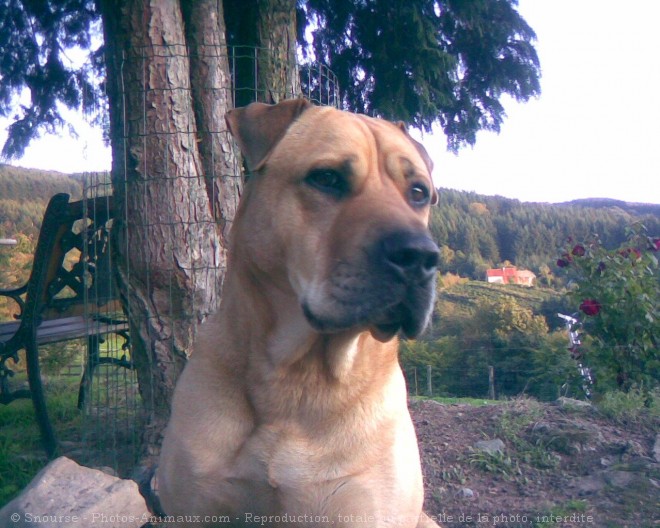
[
  {"x": 562, "y": 263},
  {"x": 578, "y": 250},
  {"x": 590, "y": 306}
]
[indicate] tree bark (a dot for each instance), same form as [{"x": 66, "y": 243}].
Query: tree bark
[
  {"x": 278, "y": 76},
  {"x": 262, "y": 34},
  {"x": 210, "y": 80},
  {"x": 169, "y": 249},
  {"x": 174, "y": 171}
]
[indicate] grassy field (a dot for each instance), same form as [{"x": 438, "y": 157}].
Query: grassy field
[
  {"x": 469, "y": 294},
  {"x": 475, "y": 402},
  {"x": 106, "y": 433},
  {"x": 21, "y": 453}
]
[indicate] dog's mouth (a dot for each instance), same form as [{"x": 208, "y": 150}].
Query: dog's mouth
[
  {"x": 400, "y": 318},
  {"x": 391, "y": 291},
  {"x": 409, "y": 319}
]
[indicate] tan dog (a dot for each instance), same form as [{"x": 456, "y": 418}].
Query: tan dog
[{"x": 292, "y": 410}]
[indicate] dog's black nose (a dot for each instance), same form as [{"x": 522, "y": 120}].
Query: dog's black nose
[{"x": 412, "y": 256}]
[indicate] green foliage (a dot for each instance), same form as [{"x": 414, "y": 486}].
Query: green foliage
[
  {"x": 631, "y": 406},
  {"x": 618, "y": 292},
  {"x": 35, "y": 40},
  {"x": 56, "y": 356},
  {"x": 420, "y": 61},
  {"x": 24, "y": 194},
  {"x": 475, "y": 232},
  {"x": 33, "y": 185},
  {"x": 553, "y": 371},
  {"x": 497, "y": 463},
  {"x": 424, "y": 61},
  {"x": 517, "y": 417},
  {"x": 417, "y": 356},
  {"x": 21, "y": 452},
  {"x": 477, "y": 325}
]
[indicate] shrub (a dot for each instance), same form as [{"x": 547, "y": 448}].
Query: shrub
[{"x": 618, "y": 295}]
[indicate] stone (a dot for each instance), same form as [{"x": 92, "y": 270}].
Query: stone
[
  {"x": 573, "y": 403},
  {"x": 490, "y": 446},
  {"x": 606, "y": 462},
  {"x": 565, "y": 436},
  {"x": 465, "y": 493},
  {"x": 588, "y": 485},
  {"x": 620, "y": 479},
  {"x": 65, "y": 494},
  {"x": 656, "y": 448}
]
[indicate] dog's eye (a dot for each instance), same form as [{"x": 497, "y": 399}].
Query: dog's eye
[
  {"x": 419, "y": 195},
  {"x": 328, "y": 181}
]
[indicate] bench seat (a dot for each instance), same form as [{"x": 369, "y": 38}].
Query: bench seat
[{"x": 70, "y": 294}]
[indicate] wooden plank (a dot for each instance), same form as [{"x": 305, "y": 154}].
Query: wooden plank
[{"x": 55, "y": 330}]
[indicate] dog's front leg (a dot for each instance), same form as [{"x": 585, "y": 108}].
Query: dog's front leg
[{"x": 426, "y": 522}]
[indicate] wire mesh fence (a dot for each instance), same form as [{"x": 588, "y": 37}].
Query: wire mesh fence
[
  {"x": 171, "y": 146},
  {"x": 108, "y": 394}
]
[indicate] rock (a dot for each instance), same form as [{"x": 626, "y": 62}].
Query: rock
[
  {"x": 64, "y": 494},
  {"x": 633, "y": 449},
  {"x": 490, "y": 446},
  {"x": 619, "y": 479},
  {"x": 572, "y": 403},
  {"x": 589, "y": 484},
  {"x": 565, "y": 436},
  {"x": 656, "y": 448},
  {"x": 107, "y": 470},
  {"x": 465, "y": 493}
]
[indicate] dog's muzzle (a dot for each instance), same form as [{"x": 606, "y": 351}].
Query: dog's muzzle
[{"x": 392, "y": 289}]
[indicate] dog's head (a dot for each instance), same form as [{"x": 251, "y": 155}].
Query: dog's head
[{"x": 336, "y": 211}]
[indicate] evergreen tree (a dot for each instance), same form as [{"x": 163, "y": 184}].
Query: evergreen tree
[
  {"x": 420, "y": 61},
  {"x": 35, "y": 40},
  {"x": 427, "y": 61}
]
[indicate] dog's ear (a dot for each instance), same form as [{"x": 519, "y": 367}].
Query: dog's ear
[
  {"x": 258, "y": 127},
  {"x": 422, "y": 152}
]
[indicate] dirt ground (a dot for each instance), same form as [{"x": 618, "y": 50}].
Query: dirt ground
[{"x": 556, "y": 465}]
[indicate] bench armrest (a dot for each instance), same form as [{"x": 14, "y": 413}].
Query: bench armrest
[{"x": 16, "y": 294}]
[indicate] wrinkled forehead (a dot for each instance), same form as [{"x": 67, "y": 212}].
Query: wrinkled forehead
[{"x": 343, "y": 135}]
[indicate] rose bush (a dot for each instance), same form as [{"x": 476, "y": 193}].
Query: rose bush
[{"x": 618, "y": 295}]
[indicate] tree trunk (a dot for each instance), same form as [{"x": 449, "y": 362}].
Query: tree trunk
[
  {"x": 278, "y": 76},
  {"x": 169, "y": 250},
  {"x": 262, "y": 34},
  {"x": 210, "y": 80},
  {"x": 174, "y": 172}
]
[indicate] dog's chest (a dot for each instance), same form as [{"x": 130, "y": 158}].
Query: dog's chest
[{"x": 285, "y": 458}]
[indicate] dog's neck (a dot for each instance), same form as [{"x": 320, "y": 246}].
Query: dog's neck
[{"x": 278, "y": 331}]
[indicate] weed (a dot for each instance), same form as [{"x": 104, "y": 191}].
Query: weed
[
  {"x": 517, "y": 416},
  {"x": 497, "y": 463},
  {"x": 454, "y": 474},
  {"x": 631, "y": 406}
]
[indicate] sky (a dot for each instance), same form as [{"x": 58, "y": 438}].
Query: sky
[{"x": 593, "y": 132}]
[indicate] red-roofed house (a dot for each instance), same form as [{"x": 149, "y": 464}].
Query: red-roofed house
[{"x": 510, "y": 275}]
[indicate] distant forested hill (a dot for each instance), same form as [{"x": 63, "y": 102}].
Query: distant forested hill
[
  {"x": 24, "y": 194},
  {"x": 476, "y": 232},
  {"x": 638, "y": 209}
]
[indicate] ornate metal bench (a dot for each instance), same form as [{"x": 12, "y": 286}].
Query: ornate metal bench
[{"x": 70, "y": 295}]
